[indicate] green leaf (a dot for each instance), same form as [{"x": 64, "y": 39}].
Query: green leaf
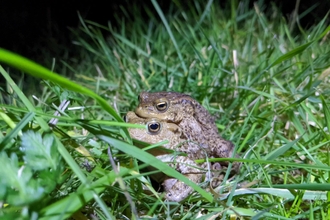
[
  {"x": 40, "y": 152},
  {"x": 38, "y": 176},
  {"x": 18, "y": 186}
]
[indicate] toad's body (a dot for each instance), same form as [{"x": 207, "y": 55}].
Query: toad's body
[
  {"x": 188, "y": 127},
  {"x": 196, "y": 123}
]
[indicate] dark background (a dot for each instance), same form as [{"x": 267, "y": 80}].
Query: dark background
[{"x": 27, "y": 27}]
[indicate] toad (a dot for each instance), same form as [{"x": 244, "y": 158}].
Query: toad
[
  {"x": 156, "y": 131},
  {"x": 194, "y": 120}
]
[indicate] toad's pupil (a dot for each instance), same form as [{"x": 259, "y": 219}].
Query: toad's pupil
[{"x": 154, "y": 126}]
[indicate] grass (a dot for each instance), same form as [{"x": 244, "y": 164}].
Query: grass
[{"x": 267, "y": 85}]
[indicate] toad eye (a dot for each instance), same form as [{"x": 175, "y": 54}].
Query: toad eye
[
  {"x": 153, "y": 127},
  {"x": 161, "y": 106}
]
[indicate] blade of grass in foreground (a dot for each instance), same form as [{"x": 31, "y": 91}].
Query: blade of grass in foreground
[
  {"x": 282, "y": 191},
  {"x": 17, "y": 130},
  {"x": 149, "y": 159},
  {"x": 273, "y": 162},
  {"x": 39, "y": 71}
]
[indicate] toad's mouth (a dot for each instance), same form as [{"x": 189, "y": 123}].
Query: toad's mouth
[
  {"x": 149, "y": 111},
  {"x": 145, "y": 112}
]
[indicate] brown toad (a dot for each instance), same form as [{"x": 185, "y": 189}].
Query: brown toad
[
  {"x": 197, "y": 125},
  {"x": 157, "y": 131}
]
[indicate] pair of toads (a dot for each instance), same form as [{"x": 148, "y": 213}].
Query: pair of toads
[{"x": 189, "y": 129}]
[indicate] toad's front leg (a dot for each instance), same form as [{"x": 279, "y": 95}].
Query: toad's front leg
[{"x": 177, "y": 190}]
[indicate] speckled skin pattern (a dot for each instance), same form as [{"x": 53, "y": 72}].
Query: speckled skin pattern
[
  {"x": 157, "y": 131},
  {"x": 197, "y": 125}
]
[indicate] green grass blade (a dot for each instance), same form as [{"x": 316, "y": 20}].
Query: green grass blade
[
  {"x": 298, "y": 50},
  {"x": 23, "y": 122},
  {"x": 281, "y": 150},
  {"x": 149, "y": 159},
  {"x": 169, "y": 31},
  {"x": 274, "y": 162},
  {"x": 291, "y": 54},
  {"x": 326, "y": 112},
  {"x": 205, "y": 13},
  {"x": 305, "y": 186},
  {"x": 282, "y": 191}
]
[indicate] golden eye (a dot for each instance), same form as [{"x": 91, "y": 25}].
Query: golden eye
[
  {"x": 162, "y": 106},
  {"x": 153, "y": 127}
]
